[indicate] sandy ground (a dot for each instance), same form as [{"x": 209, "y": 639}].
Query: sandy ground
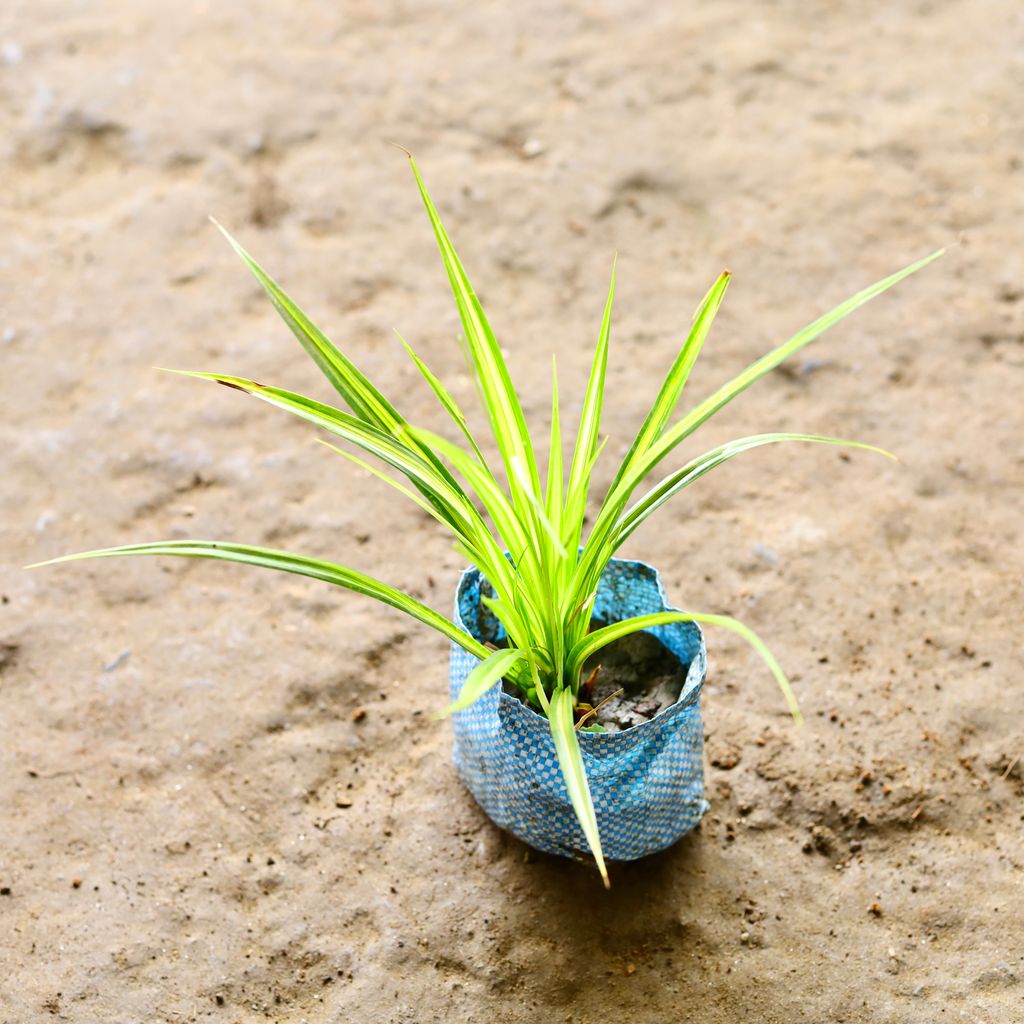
[{"x": 195, "y": 825}]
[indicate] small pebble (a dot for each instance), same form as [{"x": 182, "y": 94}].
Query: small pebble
[
  {"x": 808, "y": 366},
  {"x": 358, "y": 714},
  {"x": 117, "y": 662},
  {"x": 766, "y": 554}
]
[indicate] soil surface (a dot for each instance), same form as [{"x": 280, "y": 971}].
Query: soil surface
[
  {"x": 638, "y": 677},
  {"x": 224, "y": 797}
]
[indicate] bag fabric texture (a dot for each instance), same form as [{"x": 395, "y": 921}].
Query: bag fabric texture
[{"x": 647, "y": 782}]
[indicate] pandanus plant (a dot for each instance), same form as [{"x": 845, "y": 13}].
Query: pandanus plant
[{"x": 526, "y": 535}]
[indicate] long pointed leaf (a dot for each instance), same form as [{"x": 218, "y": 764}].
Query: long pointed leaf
[
  {"x": 540, "y": 517},
  {"x": 444, "y": 397},
  {"x": 589, "y": 565},
  {"x": 301, "y": 565},
  {"x": 593, "y": 642},
  {"x": 672, "y": 387},
  {"x": 554, "y": 490},
  {"x": 482, "y": 678},
  {"x": 362, "y": 397},
  {"x": 431, "y": 478},
  {"x": 584, "y": 454},
  {"x": 567, "y": 746},
  {"x": 500, "y": 399},
  {"x": 725, "y": 394},
  {"x": 697, "y": 467},
  {"x": 358, "y": 391},
  {"x": 391, "y": 481},
  {"x": 479, "y": 477}
]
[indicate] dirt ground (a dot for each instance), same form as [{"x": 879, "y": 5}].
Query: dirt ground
[{"x": 198, "y": 824}]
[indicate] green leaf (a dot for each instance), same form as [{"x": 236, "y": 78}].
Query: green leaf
[
  {"x": 585, "y": 452},
  {"x": 358, "y": 391},
  {"x": 567, "y": 746},
  {"x": 446, "y": 400},
  {"x": 415, "y": 498},
  {"x": 725, "y": 394},
  {"x": 556, "y": 482},
  {"x": 697, "y": 467},
  {"x": 600, "y": 544},
  {"x": 593, "y": 642},
  {"x": 601, "y": 541},
  {"x": 362, "y": 397},
  {"x": 540, "y": 517},
  {"x": 487, "y": 489},
  {"x": 300, "y": 565},
  {"x": 500, "y": 399},
  {"x": 515, "y": 623},
  {"x": 431, "y": 478},
  {"x": 482, "y": 678},
  {"x": 672, "y": 387}
]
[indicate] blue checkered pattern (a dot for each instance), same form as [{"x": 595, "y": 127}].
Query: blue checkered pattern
[{"x": 647, "y": 782}]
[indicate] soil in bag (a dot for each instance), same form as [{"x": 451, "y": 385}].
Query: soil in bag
[{"x": 649, "y": 675}]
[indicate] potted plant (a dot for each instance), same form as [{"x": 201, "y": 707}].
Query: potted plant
[{"x": 543, "y": 597}]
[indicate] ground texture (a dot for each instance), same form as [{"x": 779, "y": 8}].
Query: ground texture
[{"x": 223, "y": 797}]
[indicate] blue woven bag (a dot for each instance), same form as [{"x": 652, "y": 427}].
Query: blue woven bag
[{"x": 647, "y": 782}]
